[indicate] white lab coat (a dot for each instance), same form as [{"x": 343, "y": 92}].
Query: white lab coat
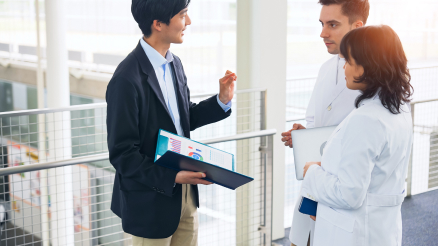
[
  {"x": 330, "y": 103},
  {"x": 361, "y": 182}
]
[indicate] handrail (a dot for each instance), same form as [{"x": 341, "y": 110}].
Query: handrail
[
  {"x": 315, "y": 77},
  {"x": 105, "y": 156},
  {"x": 236, "y": 92},
  {"x": 53, "y": 164},
  {"x": 412, "y": 103},
  {"x": 97, "y": 105},
  {"x": 294, "y": 119},
  {"x": 52, "y": 110},
  {"x": 262, "y": 133},
  {"x": 424, "y": 101}
]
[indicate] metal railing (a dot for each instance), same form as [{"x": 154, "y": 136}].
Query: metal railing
[
  {"x": 226, "y": 217},
  {"x": 81, "y": 130},
  {"x": 423, "y": 165},
  {"x": 56, "y": 181}
]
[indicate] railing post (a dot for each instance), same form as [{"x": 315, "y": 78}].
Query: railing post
[
  {"x": 266, "y": 153},
  {"x": 269, "y": 163},
  {"x": 263, "y": 110},
  {"x": 409, "y": 178}
]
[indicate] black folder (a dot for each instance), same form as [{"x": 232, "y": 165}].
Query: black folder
[{"x": 214, "y": 174}]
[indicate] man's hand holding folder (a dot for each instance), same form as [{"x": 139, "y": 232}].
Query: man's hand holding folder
[
  {"x": 197, "y": 163},
  {"x": 189, "y": 177}
]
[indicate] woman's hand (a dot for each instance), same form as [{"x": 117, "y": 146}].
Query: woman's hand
[
  {"x": 308, "y": 164},
  {"x": 313, "y": 218}
]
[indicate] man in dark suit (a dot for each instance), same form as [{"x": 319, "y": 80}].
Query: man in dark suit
[{"x": 148, "y": 92}]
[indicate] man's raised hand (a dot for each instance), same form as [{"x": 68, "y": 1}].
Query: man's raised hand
[{"x": 226, "y": 87}]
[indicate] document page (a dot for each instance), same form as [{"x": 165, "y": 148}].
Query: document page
[{"x": 184, "y": 146}]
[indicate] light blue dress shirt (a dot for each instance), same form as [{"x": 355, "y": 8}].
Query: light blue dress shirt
[{"x": 163, "y": 71}]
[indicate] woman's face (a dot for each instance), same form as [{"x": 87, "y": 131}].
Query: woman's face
[{"x": 353, "y": 71}]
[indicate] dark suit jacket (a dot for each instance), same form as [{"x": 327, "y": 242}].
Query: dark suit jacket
[{"x": 144, "y": 196}]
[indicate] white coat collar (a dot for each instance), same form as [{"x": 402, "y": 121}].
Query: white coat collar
[{"x": 369, "y": 100}]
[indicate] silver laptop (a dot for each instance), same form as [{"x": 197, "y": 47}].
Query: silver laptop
[{"x": 308, "y": 145}]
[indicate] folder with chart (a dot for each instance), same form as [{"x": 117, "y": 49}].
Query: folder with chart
[{"x": 180, "y": 153}]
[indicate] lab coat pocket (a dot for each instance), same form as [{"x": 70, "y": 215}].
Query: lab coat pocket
[
  {"x": 384, "y": 221},
  {"x": 333, "y": 228}
]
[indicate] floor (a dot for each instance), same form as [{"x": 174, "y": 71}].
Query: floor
[{"x": 420, "y": 221}]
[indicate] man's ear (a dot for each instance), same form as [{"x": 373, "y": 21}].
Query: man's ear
[
  {"x": 358, "y": 24},
  {"x": 157, "y": 25}
]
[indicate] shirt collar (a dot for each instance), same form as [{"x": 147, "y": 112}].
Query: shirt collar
[
  {"x": 156, "y": 59},
  {"x": 368, "y": 100},
  {"x": 341, "y": 59}
]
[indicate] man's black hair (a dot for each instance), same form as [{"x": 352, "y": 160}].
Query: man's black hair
[
  {"x": 354, "y": 9},
  {"x": 146, "y": 11}
]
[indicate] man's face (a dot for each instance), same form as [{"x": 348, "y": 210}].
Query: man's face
[
  {"x": 174, "y": 32},
  {"x": 334, "y": 26}
]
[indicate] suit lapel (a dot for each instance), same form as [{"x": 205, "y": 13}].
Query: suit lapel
[
  {"x": 181, "y": 94},
  {"x": 152, "y": 80}
]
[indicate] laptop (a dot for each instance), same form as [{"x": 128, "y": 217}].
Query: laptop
[{"x": 308, "y": 145}]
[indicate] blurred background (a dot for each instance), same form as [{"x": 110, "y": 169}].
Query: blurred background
[{"x": 100, "y": 33}]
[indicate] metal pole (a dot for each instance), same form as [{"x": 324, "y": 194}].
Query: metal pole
[
  {"x": 409, "y": 178},
  {"x": 40, "y": 76},
  {"x": 44, "y": 196},
  {"x": 59, "y": 129},
  {"x": 269, "y": 186}
]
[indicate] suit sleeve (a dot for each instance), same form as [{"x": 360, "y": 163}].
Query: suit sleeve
[
  {"x": 124, "y": 141},
  {"x": 361, "y": 143}
]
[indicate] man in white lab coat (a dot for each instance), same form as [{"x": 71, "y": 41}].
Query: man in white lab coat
[{"x": 331, "y": 100}]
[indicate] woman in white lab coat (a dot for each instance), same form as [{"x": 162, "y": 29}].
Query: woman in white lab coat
[{"x": 359, "y": 183}]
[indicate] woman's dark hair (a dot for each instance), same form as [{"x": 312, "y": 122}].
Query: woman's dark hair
[
  {"x": 146, "y": 11},
  {"x": 379, "y": 51}
]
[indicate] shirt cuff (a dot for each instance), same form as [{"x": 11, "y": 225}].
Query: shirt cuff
[
  {"x": 304, "y": 191},
  {"x": 225, "y": 107}
]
